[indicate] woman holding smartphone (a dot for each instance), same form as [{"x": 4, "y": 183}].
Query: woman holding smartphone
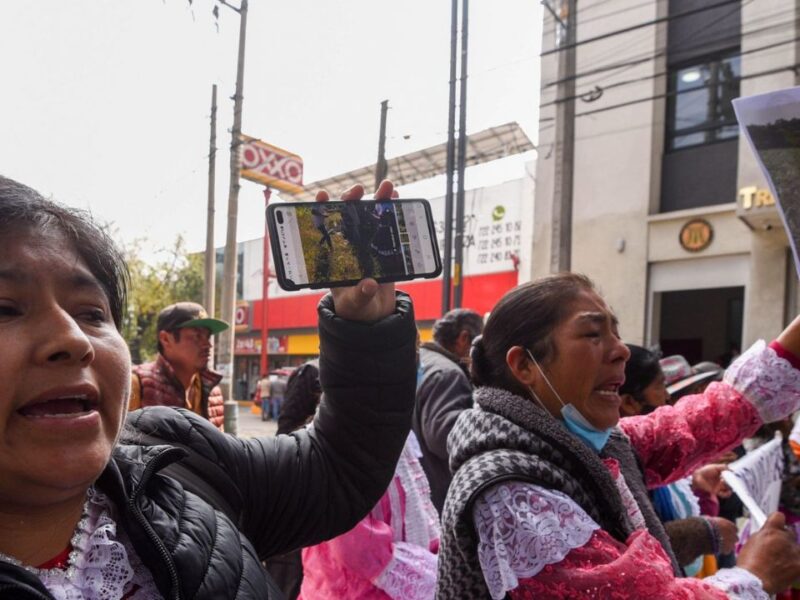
[{"x": 89, "y": 509}]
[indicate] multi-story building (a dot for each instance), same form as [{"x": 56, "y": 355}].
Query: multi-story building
[{"x": 671, "y": 215}]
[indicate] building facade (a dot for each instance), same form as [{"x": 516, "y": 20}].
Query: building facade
[{"x": 671, "y": 215}]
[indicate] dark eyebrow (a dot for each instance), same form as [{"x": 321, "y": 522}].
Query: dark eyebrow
[
  {"x": 76, "y": 279},
  {"x": 13, "y": 275},
  {"x": 599, "y": 318}
]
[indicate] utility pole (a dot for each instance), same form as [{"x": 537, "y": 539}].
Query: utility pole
[
  {"x": 458, "y": 279},
  {"x": 265, "y": 291},
  {"x": 381, "y": 168},
  {"x": 211, "y": 259},
  {"x": 450, "y": 162},
  {"x": 564, "y": 148},
  {"x": 228, "y": 312}
]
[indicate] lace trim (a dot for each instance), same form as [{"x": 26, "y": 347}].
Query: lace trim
[
  {"x": 522, "y": 528},
  {"x": 770, "y": 383},
  {"x": 420, "y": 521},
  {"x": 738, "y": 584},
  {"x": 100, "y": 566},
  {"x": 410, "y": 575}
]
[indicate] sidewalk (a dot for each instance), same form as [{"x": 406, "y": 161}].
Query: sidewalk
[{"x": 250, "y": 423}]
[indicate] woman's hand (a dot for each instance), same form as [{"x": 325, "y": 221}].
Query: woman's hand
[
  {"x": 772, "y": 555},
  {"x": 708, "y": 479},
  {"x": 367, "y": 300},
  {"x": 790, "y": 337}
]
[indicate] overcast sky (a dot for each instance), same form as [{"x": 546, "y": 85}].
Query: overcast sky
[{"x": 105, "y": 103}]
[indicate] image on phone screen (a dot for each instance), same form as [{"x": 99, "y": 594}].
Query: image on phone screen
[{"x": 320, "y": 244}]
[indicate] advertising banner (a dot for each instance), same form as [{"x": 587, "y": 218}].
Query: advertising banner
[
  {"x": 771, "y": 124},
  {"x": 272, "y": 166}
]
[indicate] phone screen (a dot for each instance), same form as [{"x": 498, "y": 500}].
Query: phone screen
[{"x": 325, "y": 244}]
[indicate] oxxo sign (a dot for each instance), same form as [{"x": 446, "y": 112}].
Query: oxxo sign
[
  {"x": 242, "y": 317},
  {"x": 272, "y": 166}
]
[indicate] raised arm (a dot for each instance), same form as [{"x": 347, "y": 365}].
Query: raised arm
[{"x": 761, "y": 386}]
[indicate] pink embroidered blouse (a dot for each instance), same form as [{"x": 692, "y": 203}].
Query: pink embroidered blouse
[{"x": 538, "y": 543}]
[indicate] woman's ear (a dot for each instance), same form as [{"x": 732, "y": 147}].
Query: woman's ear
[{"x": 521, "y": 366}]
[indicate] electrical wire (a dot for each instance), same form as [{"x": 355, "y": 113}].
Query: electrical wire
[
  {"x": 795, "y": 67},
  {"x": 650, "y": 23},
  {"x": 661, "y": 74},
  {"x": 735, "y": 34}
]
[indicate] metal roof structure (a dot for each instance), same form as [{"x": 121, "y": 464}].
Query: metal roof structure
[{"x": 484, "y": 146}]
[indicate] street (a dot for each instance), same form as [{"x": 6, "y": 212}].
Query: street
[{"x": 251, "y": 425}]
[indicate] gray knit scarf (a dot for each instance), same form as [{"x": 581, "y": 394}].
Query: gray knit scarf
[{"x": 509, "y": 438}]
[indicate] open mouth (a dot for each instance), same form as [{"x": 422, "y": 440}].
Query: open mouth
[
  {"x": 60, "y": 408},
  {"x": 609, "y": 389}
]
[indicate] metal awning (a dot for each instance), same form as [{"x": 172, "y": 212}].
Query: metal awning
[{"x": 483, "y": 146}]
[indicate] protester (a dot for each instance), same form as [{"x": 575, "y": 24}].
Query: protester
[
  {"x": 180, "y": 377},
  {"x": 444, "y": 392},
  {"x": 277, "y": 393},
  {"x": 303, "y": 395},
  {"x": 677, "y": 504},
  {"x": 548, "y": 499},
  {"x": 84, "y": 515},
  {"x": 263, "y": 390},
  {"x": 682, "y": 379}
]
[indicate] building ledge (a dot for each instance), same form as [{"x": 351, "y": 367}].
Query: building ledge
[{"x": 688, "y": 213}]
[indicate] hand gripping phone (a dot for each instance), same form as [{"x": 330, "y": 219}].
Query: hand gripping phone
[{"x": 331, "y": 244}]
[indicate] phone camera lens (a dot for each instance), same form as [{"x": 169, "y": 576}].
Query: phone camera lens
[{"x": 279, "y": 216}]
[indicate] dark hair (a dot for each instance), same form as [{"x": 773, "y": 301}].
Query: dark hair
[
  {"x": 525, "y": 316},
  {"x": 641, "y": 370},
  {"x": 24, "y": 208},
  {"x": 176, "y": 333},
  {"x": 447, "y": 329}
]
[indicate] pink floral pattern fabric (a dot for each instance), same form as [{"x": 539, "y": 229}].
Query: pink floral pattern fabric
[
  {"x": 606, "y": 568},
  {"x": 672, "y": 441},
  {"x": 768, "y": 381}
]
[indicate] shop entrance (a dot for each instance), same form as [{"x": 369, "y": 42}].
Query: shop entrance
[{"x": 704, "y": 324}]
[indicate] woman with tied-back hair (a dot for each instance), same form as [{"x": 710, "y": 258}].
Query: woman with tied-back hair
[
  {"x": 173, "y": 508},
  {"x": 549, "y": 497}
]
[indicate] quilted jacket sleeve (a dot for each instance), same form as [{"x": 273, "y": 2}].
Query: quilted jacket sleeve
[{"x": 302, "y": 488}]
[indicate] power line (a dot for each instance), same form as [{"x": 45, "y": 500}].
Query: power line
[
  {"x": 793, "y": 67},
  {"x": 617, "y": 32},
  {"x": 661, "y": 74},
  {"x": 734, "y": 36}
]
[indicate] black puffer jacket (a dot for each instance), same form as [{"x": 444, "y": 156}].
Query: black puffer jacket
[{"x": 281, "y": 492}]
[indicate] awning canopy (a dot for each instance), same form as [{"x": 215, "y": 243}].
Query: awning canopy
[{"x": 482, "y": 147}]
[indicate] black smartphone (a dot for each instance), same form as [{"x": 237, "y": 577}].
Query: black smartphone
[{"x": 330, "y": 244}]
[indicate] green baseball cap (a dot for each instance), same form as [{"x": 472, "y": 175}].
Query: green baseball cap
[{"x": 188, "y": 314}]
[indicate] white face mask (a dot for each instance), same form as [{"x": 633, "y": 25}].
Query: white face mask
[{"x": 573, "y": 419}]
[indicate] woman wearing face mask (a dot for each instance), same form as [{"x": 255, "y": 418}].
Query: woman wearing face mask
[{"x": 549, "y": 497}]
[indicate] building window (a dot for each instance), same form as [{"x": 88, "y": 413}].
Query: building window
[{"x": 700, "y": 109}]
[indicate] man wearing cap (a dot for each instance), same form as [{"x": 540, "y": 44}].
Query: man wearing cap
[
  {"x": 444, "y": 391},
  {"x": 180, "y": 376}
]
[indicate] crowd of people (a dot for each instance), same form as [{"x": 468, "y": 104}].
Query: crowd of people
[{"x": 533, "y": 454}]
